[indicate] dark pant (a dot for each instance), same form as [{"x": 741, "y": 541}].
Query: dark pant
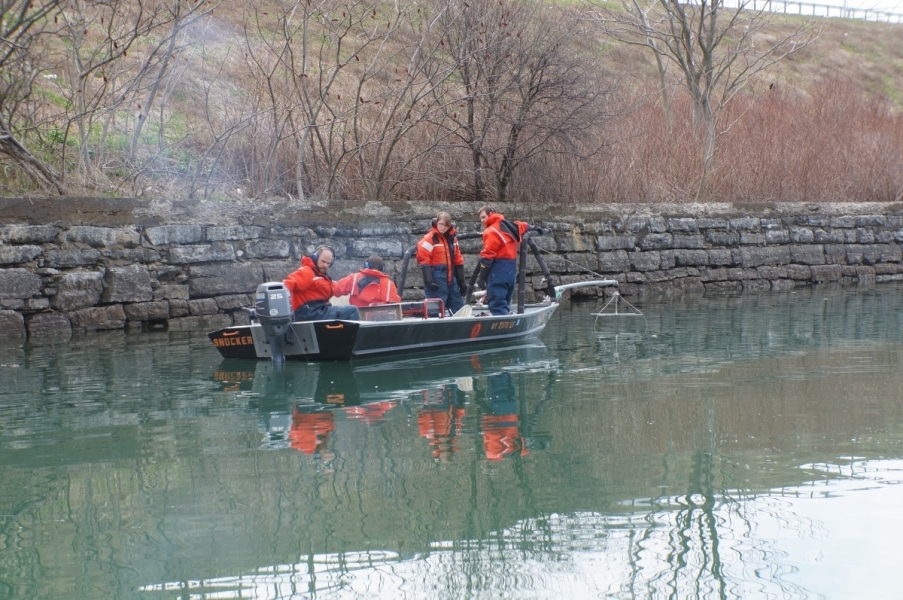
[
  {"x": 447, "y": 292},
  {"x": 323, "y": 311},
  {"x": 500, "y": 285}
]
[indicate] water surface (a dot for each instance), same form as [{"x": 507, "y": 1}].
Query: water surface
[{"x": 714, "y": 448}]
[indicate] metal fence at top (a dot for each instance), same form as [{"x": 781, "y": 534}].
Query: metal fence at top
[{"x": 820, "y": 9}]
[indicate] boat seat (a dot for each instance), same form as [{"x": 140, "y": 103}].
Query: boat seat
[{"x": 464, "y": 312}]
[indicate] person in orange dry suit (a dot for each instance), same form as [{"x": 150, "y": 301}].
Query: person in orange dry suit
[
  {"x": 440, "y": 420},
  {"x": 369, "y": 286},
  {"x": 442, "y": 265},
  {"x": 311, "y": 288},
  {"x": 501, "y": 426},
  {"x": 498, "y": 259}
]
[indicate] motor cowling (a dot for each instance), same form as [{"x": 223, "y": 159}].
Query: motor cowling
[{"x": 273, "y": 306}]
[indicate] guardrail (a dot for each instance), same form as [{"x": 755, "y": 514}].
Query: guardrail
[{"x": 821, "y": 9}]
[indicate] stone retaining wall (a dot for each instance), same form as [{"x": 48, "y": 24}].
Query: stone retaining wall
[{"x": 93, "y": 264}]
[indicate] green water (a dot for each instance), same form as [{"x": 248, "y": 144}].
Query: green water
[{"x": 713, "y": 448}]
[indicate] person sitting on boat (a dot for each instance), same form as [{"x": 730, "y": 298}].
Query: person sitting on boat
[
  {"x": 442, "y": 265},
  {"x": 369, "y": 286},
  {"x": 498, "y": 259},
  {"x": 311, "y": 288}
]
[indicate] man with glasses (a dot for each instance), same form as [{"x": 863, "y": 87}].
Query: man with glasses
[
  {"x": 311, "y": 288},
  {"x": 442, "y": 265}
]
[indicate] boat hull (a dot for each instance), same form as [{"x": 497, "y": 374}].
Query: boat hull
[{"x": 349, "y": 340}]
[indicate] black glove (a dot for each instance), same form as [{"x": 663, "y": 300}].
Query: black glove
[
  {"x": 459, "y": 277},
  {"x": 483, "y": 276},
  {"x": 545, "y": 230},
  {"x": 428, "y": 278}
]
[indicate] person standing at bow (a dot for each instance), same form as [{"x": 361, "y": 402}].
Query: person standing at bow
[
  {"x": 498, "y": 259},
  {"x": 442, "y": 265},
  {"x": 311, "y": 288},
  {"x": 369, "y": 286}
]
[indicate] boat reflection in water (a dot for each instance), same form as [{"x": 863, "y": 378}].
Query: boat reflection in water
[{"x": 298, "y": 403}]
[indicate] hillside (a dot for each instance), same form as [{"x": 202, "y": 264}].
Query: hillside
[{"x": 441, "y": 101}]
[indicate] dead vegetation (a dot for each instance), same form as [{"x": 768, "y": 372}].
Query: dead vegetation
[{"x": 434, "y": 101}]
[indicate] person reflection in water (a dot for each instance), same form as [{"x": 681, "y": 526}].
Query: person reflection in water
[
  {"x": 372, "y": 413},
  {"x": 501, "y": 426},
  {"x": 310, "y": 434},
  {"x": 441, "y": 419}
]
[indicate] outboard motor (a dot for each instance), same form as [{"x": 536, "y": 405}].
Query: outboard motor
[{"x": 274, "y": 311}]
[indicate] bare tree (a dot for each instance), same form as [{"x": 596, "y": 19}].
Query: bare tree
[
  {"x": 22, "y": 22},
  {"x": 523, "y": 83},
  {"x": 179, "y": 16},
  {"x": 716, "y": 49}
]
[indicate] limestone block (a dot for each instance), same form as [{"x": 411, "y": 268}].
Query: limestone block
[
  {"x": 691, "y": 258},
  {"x": 27, "y": 234},
  {"x": 845, "y": 222},
  {"x": 233, "y": 232},
  {"x": 768, "y": 272},
  {"x": 655, "y": 241},
  {"x": 758, "y": 256},
  {"x": 745, "y": 224},
  {"x": 132, "y": 255},
  {"x": 78, "y": 289},
  {"x": 752, "y": 238},
  {"x": 385, "y": 247},
  {"x": 683, "y": 225},
  {"x": 777, "y": 236},
  {"x": 808, "y": 255},
  {"x": 36, "y": 304},
  {"x": 782, "y": 285},
  {"x": 178, "y": 308},
  {"x": 49, "y": 327},
  {"x": 278, "y": 270},
  {"x": 201, "y": 253},
  {"x": 98, "y": 318},
  {"x": 606, "y": 243},
  {"x": 97, "y": 237},
  {"x": 613, "y": 262},
  {"x": 645, "y": 261},
  {"x": 577, "y": 262},
  {"x": 688, "y": 241},
  {"x": 175, "y": 291},
  {"x": 712, "y": 223},
  {"x": 835, "y": 254},
  {"x": 147, "y": 311},
  {"x": 19, "y": 284},
  {"x": 268, "y": 249},
  {"x": 14, "y": 255},
  {"x": 204, "y": 306},
  {"x": 174, "y": 234},
  {"x": 131, "y": 283},
  {"x": 756, "y": 285},
  {"x": 720, "y": 256},
  {"x": 12, "y": 326},
  {"x": 710, "y": 275},
  {"x": 722, "y": 238},
  {"x": 66, "y": 258},
  {"x": 801, "y": 235},
  {"x": 232, "y": 302},
  {"x": 865, "y": 236},
  {"x": 825, "y": 273}
]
